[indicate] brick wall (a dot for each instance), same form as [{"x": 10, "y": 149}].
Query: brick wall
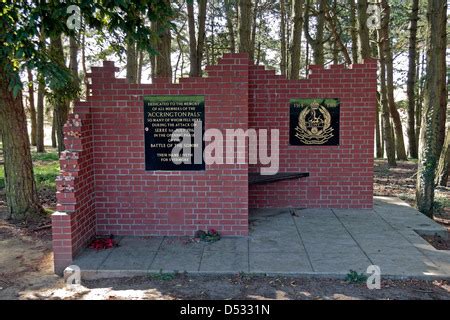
[
  {"x": 104, "y": 189},
  {"x": 340, "y": 176},
  {"x": 74, "y": 222}
]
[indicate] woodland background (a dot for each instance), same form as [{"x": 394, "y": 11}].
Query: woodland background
[{"x": 46, "y": 51}]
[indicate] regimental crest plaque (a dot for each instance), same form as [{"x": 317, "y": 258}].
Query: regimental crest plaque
[{"x": 314, "y": 122}]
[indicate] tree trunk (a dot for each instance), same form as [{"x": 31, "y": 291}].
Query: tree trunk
[
  {"x": 429, "y": 148},
  {"x": 154, "y": 27},
  {"x": 331, "y": 17},
  {"x": 83, "y": 63},
  {"x": 53, "y": 133},
  {"x": 382, "y": 135},
  {"x": 163, "y": 65},
  {"x": 73, "y": 63},
  {"x": 245, "y": 10},
  {"x": 253, "y": 34},
  {"x": 258, "y": 53},
  {"x": 353, "y": 31},
  {"x": 21, "y": 196},
  {"x": 131, "y": 61},
  {"x": 193, "y": 70},
  {"x": 196, "y": 43},
  {"x": 387, "y": 52},
  {"x": 363, "y": 31},
  {"x": 230, "y": 21},
  {"x": 61, "y": 104},
  {"x": 288, "y": 36},
  {"x": 32, "y": 106},
  {"x": 419, "y": 103},
  {"x": 317, "y": 44},
  {"x": 40, "y": 103},
  {"x": 283, "y": 65},
  {"x": 412, "y": 145},
  {"x": 443, "y": 168},
  {"x": 40, "y": 115},
  {"x": 379, "y": 146},
  {"x": 141, "y": 65},
  {"x": 296, "y": 38},
  {"x": 387, "y": 131}
]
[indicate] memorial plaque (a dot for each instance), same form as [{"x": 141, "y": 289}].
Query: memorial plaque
[
  {"x": 314, "y": 122},
  {"x": 162, "y": 116}
]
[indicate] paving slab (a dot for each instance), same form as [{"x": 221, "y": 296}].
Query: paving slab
[
  {"x": 287, "y": 241},
  {"x": 385, "y": 246},
  {"x": 176, "y": 261},
  {"x": 129, "y": 259},
  {"x": 329, "y": 245},
  {"x": 279, "y": 263},
  {"x": 231, "y": 244},
  {"x": 91, "y": 259},
  {"x": 225, "y": 262},
  {"x": 404, "y": 218}
]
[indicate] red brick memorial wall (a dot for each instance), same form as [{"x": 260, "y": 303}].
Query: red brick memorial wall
[
  {"x": 341, "y": 176},
  {"x": 108, "y": 185}
]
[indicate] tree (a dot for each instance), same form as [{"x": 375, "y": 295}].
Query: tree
[
  {"x": 442, "y": 171},
  {"x": 388, "y": 60},
  {"x": 245, "y": 19},
  {"x": 378, "y": 135},
  {"x": 255, "y": 14},
  {"x": 353, "y": 31},
  {"x": 283, "y": 62},
  {"x": 40, "y": 100},
  {"x": 429, "y": 144},
  {"x": 196, "y": 43},
  {"x": 61, "y": 96},
  {"x": 363, "y": 30},
  {"x": 338, "y": 44},
  {"x": 163, "y": 64},
  {"x": 32, "y": 106},
  {"x": 317, "y": 44},
  {"x": 40, "y": 115},
  {"x": 131, "y": 61},
  {"x": 132, "y": 69},
  {"x": 388, "y": 136},
  {"x": 73, "y": 60},
  {"x": 21, "y": 25},
  {"x": 21, "y": 195},
  {"x": 411, "y": 82},
  {"x": 230, "y": 17},
  {"x": 295, "y": 48}
]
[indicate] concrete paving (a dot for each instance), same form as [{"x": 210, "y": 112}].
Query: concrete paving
[{"x": 309, "y": 242}]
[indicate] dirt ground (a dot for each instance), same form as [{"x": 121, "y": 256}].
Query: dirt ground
[
  {"x": 26, "y": 270},
  {"x": 400, "y": 182}
]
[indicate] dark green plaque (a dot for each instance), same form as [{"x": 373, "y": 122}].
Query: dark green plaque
[
  {"x": 314, "y": 122},
  {"x": 162, "y": 116}
]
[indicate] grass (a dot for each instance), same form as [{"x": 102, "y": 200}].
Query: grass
[
  {"x": 48, "y": 156},
  {"x": 2, "y": 177},
  {"x": 441, "y": 202},
  {"x": 46, "y": 168},
  {"x": 355, "y": 277},
  {"x": 163, "y": 276}
]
